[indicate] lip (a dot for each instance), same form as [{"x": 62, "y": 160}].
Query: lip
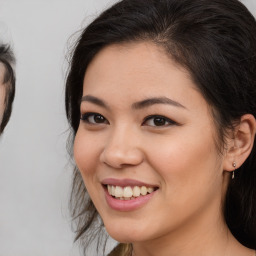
[{"x": 126, "y": 205}]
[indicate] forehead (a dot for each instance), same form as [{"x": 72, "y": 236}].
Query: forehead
[
  {"x": 133, "y": 64},
  {"x": 136, "y": 71},
  {"x": 133, "y": 57}
]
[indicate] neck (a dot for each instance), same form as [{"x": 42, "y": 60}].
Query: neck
[
  {"x": 184, "y": 243},
  {"x": 198, "y": 237}
]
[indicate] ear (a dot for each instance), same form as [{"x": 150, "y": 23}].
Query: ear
[{"x": 240, "y": 145}]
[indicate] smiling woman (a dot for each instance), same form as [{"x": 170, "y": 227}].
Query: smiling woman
[{"x": 160, "y": 96}]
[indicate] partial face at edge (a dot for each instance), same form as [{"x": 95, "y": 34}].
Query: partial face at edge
[
  {"x": 152, "y": 126},
  {"x": 2, "y": 91}
]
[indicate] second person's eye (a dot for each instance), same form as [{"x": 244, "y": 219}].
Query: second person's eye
[
  {"x": 94, "y": 118},
  {"x": 158, "y": 121}
]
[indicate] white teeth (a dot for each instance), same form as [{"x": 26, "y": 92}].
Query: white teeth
[
  {"x": 150, "y": 190},
  {"x": 143, "y": 190},
  {"x": 128, "y": 192},
  {"x": 119, "y": 192},
  {"x": 113, "y": 190},
  {"x": 110, "y": 190},
  {"x": 136, "y": 191}
]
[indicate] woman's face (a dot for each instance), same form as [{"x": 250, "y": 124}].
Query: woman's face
[{"x": 146, "y": 135}]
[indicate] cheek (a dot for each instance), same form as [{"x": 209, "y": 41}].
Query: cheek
[
  {"x": 188, "y": 172},
  {"x": 85, "y": 152},
  {"x": 87, "y": 148},
  {"x": 186, "y": 161}
]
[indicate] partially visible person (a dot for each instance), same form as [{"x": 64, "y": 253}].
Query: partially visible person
[{"x": 7, "y": 84}]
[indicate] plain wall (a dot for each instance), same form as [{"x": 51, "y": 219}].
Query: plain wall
[{"x": 34, "y": 172}]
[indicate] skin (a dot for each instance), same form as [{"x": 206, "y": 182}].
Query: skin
[
  {"x": 2, "y": 92},
  {"x": 184, "y": 217}
]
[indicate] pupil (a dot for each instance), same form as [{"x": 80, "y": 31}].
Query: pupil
[
  {"x": 98, "y": 119},
  {"x": 158, "y": 121}
]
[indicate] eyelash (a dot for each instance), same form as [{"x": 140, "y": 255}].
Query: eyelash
[
  {"x": 167, "y": 122},
  {"x": 85, "y": 117}
]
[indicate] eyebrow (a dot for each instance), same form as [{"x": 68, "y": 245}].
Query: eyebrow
[
  {"x": 158, "y": 100},
  {"x": 94, "y": 100},
  {"x": 137, "y": 105}
]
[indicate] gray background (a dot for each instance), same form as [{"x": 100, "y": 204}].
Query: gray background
[{"x": 34, "y": 170}]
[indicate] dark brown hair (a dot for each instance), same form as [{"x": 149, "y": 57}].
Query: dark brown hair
[
  {"x": 8, "y": 60},
  {"x": 215, "y": 40}
]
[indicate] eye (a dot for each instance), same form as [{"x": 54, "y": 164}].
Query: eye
[
  {"x": 94, "y": 118},
  {"x": 157, "y": 120}
]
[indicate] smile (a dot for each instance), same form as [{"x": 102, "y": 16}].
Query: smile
[{"x": 128, "y": 192}]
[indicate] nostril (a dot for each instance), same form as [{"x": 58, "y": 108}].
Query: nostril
[{"x": 120, "y": 158}]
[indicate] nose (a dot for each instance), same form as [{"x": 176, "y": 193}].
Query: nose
[{"x": 122, "y": 149}]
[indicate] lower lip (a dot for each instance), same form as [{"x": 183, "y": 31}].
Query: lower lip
[{"x": 127, "y": 205}]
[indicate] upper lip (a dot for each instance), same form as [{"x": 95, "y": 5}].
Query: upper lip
[{"x": 126, "y": 182}]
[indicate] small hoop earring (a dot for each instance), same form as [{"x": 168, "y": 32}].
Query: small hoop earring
[{"x": 233, "y": 173}]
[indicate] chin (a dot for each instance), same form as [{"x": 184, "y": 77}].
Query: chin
[
  {"x": 122, "y": 237},
  {"x": 127, "y": 233}
]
